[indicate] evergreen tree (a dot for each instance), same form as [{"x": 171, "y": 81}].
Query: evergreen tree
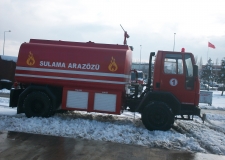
[
  {"x": 206, "y": 73},
  {"x": 221, "y": 77}
]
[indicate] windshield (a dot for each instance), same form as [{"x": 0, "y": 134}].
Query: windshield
[{"x": 173, "y": 64}]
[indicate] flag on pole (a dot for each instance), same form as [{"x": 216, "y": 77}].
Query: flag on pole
[{"x": 211, "y": 45}]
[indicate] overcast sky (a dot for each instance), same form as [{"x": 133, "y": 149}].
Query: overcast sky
[{"x": 150, "y": 23}]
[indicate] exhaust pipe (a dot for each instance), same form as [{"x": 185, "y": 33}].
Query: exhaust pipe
[{"x": 150, "y": 70}]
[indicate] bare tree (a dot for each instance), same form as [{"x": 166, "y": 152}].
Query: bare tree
[
  {"x": 200, "y": 63},
  {"x": 217, "y": 61}
]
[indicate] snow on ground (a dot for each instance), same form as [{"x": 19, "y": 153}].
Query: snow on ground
[
  {"x": 193, "y": 136},
  {"x": 5, "y": 91}
]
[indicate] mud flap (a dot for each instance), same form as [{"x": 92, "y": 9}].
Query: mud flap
[
  {"x": 203, "y": 117},
  {"x": 14, "y": 97}
]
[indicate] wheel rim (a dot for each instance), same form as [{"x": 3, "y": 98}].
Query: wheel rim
[
  {"x": 157, "y": 118},
  {"x": 37, "y": 106}
]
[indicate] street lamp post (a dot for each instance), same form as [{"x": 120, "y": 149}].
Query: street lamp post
[
  {"x": 140, "y": 57},
  {"x": 4, "y": 40},
  {"x": 174, "y": 42}
]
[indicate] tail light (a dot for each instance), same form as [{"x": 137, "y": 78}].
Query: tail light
[{"x": 15, "y": 85}]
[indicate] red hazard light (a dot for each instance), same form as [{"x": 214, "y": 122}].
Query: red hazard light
[
  {"x": 15, "y": 85},
  {"x": 182, "y": 49}
]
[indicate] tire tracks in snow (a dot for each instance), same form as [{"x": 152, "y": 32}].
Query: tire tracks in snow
[
  {"x": 204, "y": 134},
  {"x": 182, "y": 130},
  {"x": 214, "y": 127}
]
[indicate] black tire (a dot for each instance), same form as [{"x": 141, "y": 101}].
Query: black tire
[
  {"x": 38, "y": 104},
  {"x": 19, "y": 110},
  {"x": 62, "y": 111},
  {"x": 157, "y": 116}
]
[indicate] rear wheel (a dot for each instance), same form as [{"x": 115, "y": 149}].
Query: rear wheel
[
  {"x": 157, "y": 116},
  {"x": 38, "y": 104}
]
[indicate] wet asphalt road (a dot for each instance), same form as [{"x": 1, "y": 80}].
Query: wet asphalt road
[{"x": 23, "y": 146}]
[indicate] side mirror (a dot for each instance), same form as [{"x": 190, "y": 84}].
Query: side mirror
[
  {"x": 131, "y": 48},
  {"x": 195, "y": 72}
]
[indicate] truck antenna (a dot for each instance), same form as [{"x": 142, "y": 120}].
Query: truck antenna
[{"x": 125, "y": 36}]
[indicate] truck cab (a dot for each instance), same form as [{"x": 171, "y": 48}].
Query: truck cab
[
  {"x": 174, "y": 93},
  {"x": 174, "y": 73}
]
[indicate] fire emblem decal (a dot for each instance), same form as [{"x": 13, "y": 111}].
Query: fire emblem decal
[
  {"x": 113, "y": 66},
  {"x": 30, "y": 59}
]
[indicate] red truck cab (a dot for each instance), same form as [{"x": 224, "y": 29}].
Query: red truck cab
[
  {"x": 174, "y": 93},
  {"x": 174, "y": 72}
]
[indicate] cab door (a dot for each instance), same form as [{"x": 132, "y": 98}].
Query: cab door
[
  {"x": 190, "y": 87},
  {"x": 172, "y": 77},
  {"x": 177, "y": 76}
]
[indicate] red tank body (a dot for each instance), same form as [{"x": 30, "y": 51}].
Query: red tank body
[{"x": 84, "y": 67}]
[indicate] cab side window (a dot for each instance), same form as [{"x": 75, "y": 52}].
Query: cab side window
[
  {"x": 173, "y": 64},
  {"x": 189, "y": 66}
]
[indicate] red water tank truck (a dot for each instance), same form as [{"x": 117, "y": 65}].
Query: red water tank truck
[{"x": 59, "y": 75}]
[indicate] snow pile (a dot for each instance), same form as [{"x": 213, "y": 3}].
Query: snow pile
[
  {"x": 5, "y": 80},
  {"x": 127, "y": 128},
  {"x": 5, "y": 102},
  {"x": 217, "y": 121},
  {"x": 106, "y": 128},
  {"x": 6, "y": 91},
  {"x": 195, "y": 137},
  {"x": 208, "y": 138},
  {"x": 9, "y": 58}
]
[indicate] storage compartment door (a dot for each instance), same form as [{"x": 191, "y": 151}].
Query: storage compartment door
[
  {"x": 105, "y": 102},
  {"x": 77, "y": 99}
]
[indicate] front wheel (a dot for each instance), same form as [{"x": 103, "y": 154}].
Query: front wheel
[
  {"x": 157, "y": 116},
  {"x": 38, "y": 104}
]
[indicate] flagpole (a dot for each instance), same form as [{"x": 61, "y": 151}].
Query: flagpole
[{"x": 207, "y": 55}]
